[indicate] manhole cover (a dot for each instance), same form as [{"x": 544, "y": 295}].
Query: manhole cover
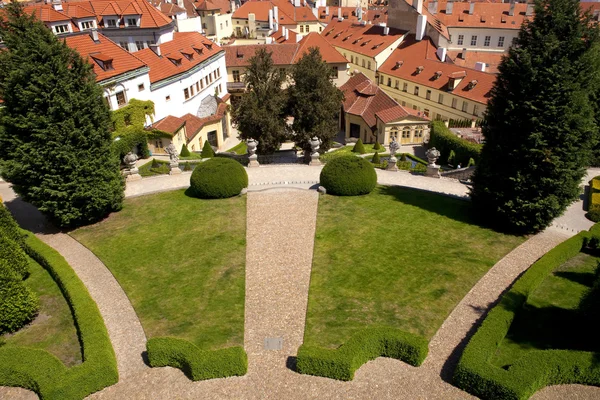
[{"x": 273, "y": 343}]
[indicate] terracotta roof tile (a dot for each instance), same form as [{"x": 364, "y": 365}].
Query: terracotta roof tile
[
  {"x": 412, "y": 54},
  {"x": 279, "y": 37},
  {"x": 492, "y": 60},
  {"x": 329, "y": 54},
  {"x": 169, "y": 124},
  {"x": 190, "y": 42},
  {"x": 371, "y": 41},
  {"x": 224, "y": 6},
  {"x": 239, "y": 56},
  {"x": 288, "y": 14},
  {"x": 375, "y": 16}
]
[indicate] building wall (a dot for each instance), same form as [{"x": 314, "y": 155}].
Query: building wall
[
  {"x": 481, "y": 33},
  {"x": 135, "y": 87},
  {"x": 189, "y": 24},
  {"x": 366, "y": 134},
  {"x": 197, "y": 142},
  {"x": 216, "y": 25},
  {"x": 411, "y": 127},
  {"x": 420, "y": 102},
  {"x": 355, "y": 62},
  {"x": 127, "y": 37}
]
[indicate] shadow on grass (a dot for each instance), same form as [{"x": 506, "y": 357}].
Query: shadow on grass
[
  {"x": 29, "y": 217},
  {"x": 583, "y": 278}
]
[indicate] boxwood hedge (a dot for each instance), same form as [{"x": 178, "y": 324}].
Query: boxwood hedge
[
  {"x": 476, "y": 375},
  {"x": 341, "y": 363},
  {"x": 445, "y": 141},
  {"x": 218, "y": 178},
  {"x": 196, "y": 364},
  {"x": 43, "y": 373},
  {"x": 348, "y": 176},
  {"x": 594, "y": 200}
]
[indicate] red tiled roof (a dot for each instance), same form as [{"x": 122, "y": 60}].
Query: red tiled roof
[
  {"x": 485, "y": 14},
  {"x": 224, "y": 6},
  {"x": 193, "y": 124},
  {"x": 376, "y": 16},
  {"x": 76, "y": 10},
  {"x": 169, "y": 124},
  {"x": 279, "y": 37},
  {"x": 367, "y": 40},
  {"x": 183, "y": 42},
  {"x": 239, "y": 56},
  {"x": 492, "y": 60},
  {"x": 288, "y": 14},
  {"x": 47, "y": 14},
  {"x": 329, "y": 54},
  {"x": 412, "y": 54},
  {"x": 104, "y": 50},
  {"x": 170, "y": 9},
  {"x": 365, "y": 99}
]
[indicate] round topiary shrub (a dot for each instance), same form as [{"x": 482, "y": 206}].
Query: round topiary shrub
[
  {"x": 18, "y": 305},
  {"x": 218, "y": 178},
  {"x": 348, "y": 176},
  {"x": 359, "y": 147}
]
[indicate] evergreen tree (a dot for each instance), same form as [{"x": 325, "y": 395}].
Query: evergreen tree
[
  {"x": 207, "y": 150},
  {"x": 359, "y": 147},
  {"x": 260, "y": 113},
  {"x": 539, "y": 128},
  {"x": 55, "y": 143},
  {"x": 315, "y": 102},
  {"x": 184, "y": 151}
]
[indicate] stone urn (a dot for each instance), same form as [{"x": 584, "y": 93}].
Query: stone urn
[
  {"x": 315, "y": 144},
  {"x": 394, "y": 147},
  {"x": 433, "y": 170},
  {"x": 252, "y": 145},
  {"x": 131, "y": 172}
]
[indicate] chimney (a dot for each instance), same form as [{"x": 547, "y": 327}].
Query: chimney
[
  {"x": 433, "y": 7},
  {"x": 480, "y": 66},
  {"x": 155, "y": 48},
  {"x": 529, "y": 10},
  {"x": 418, "y": 5},
  {"x": 463, "y": 54},
  {"x": 271, "y": 20},
  {"x": 275, "y": 26},
  {"x": 327, "y": 10},
  {"x": 296, "y": 3},
  {"x": 511, "y": 9},
  {"x": 276, "y": 14},
  {"x": 233, "y": 6},
  {"x": 471, "y": 8},
  {"x": 339, "y": 12},
  {"x": 299, "y": 38},
  {"x": 441, "y": 53},
  {"x": 57, "y": 5},
  {"x": 268, "y": 40},
  {"x": 94, "y": 35},
  {"x": 386, "y": 30},
  {"x": 287, "y": 34},
  {"x": 421, "y": 25},
  {"x": 449, "y": 7}
]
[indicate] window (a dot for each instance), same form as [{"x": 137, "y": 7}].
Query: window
[
  {"x": 301, "y": 29},
  {"x": 368, "y": 64},
  {"x": 206, "y": 80},
  {"x": 514, "y": 41},
  {"x": 335, "y": 72},
  {"x": 501, "y": 41},
  {"x": 219, "y": 73},
  {"x": 441, "y": 99},
  {"x": 197, "y": 87},
  {"x": 306, "y": 28},
  {"x": 394, "y": 133},
  {"x": 139, "y": 45},
  {"x": 381, "y": 78},
  {"x": 87, "y": 25},
  {"x": 150, "y": 42},
  {"x": 416, "y": 90},
  {"x": 464, "y": 106},
  {"x": 221, "y": 26},
  {"x": 389, "y": 82},
  {"x": 210, "y": 77},
  {"x": 454, "y": 102},
  {"x": 186, "y": 93},
  {"x": 397, "y": 85},
  {"x": 111, "y": 23},
  {"x": 414, "y": 107},
  {"x": 406, "y": 132},
  {"x": 426, "y": 112},
  {"x": 168, "y": 98},
  {"x": 220, "y": 90},
  {"x": 212, "y": 138},
  {"x": 428, "y": 95},
  {"x": 461, "y": 39},
  {"x": 486, "y": 41},
  {"x": 403, "y": 103},
  {"x": 363, "y": 63},
  {"x": 201, "y": 84},
  {"x": 227, "y": 23},
  {"x": 475, "y": 110},
  {"x": 352, "y": 59},
  {"x": 141, "y": 87},
  {"x": 124, "y": 45},
  {"x": 192, "y": 90},
  {"x": 61, "y": 28},
  {"x": 405, "y": 87},
  {"x": 474, "y": 40},
  {"x": 131, "y": 21},
  {"x": 121, "y": 99}
]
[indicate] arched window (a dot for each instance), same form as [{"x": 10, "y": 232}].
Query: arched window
[
  {"x": 394, "y": 133},
  {"x": 405, "y": 135}
]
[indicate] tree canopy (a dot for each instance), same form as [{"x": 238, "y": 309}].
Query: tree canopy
[
  {"x": 539, "y": 128},
  {"x": 55, "y": 143}
]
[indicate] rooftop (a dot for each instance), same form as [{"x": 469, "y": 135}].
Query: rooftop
[
  {"x": 368, "y": 40},
  {"x": 288, "y": 14}
]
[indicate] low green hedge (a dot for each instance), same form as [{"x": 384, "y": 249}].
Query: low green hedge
[
  {"x": 593, "y": 213},
  {"x": 8, "y": 226},
  {"x": 14, "y": 256},
  {"x": 341, "y": 363},
  {"x": 196, "y": 364},
  {"x": 348, "y": 176},
  {"x": 445, "y": 141},
  {"x": 18, "y": 305},
  {"x": 475, "y": 374},
  {"x": 218, "y": 178},
  {"x": 43, "y": 373}
]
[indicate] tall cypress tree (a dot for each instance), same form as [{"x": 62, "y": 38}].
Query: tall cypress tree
[
  {"x": 539, "y": 128},
  {"x": 260, "y": 114},
  {"x": 55, "y": 143},
  {"x": 315, "y": 101}
]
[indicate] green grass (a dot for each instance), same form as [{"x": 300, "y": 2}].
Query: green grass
[
  {"x": 181, "y": 262},
  {"x": 240, "y": 148},
  {"x": 53, "y": 329},
  {"x": 549, "y": 319},
  {"x": 192, "y": 156},
  {"x": 148, "y": 170},
  {"x": 346, "y": 150},
  {"x": 396, "y": 258}
]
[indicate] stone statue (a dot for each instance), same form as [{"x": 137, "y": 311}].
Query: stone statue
[
  {"x": 252, "y": 157},
  {"x": 358, "y": 11},
  {"x": 315, "y": 143},
  {"x": 394, "y": 147},
  {"x": 132, "y": 172},
  {"x": 129, "y": 160},
  {"x": 432, "y": 155},
  {"x": 173, "y": 155}
]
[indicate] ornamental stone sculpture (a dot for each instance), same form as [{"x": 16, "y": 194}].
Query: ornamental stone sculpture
[
  {"x": 315, "y": 143},
  {"x": 129, "y": 160},
  {"x": 432, "y": 155},
  {"x": 174, "y": 159},
  {"x": 131, "y": 172},
  {"x": 252, "y": 145},
  {"x": 394, "y": 146}
]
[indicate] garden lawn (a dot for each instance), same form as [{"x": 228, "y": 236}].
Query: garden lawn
[
  {"x": 397, "y": 258},
  {"x": 181, "y": 262},
  {"x": 148, "y": 170},
  {"x": 53, "y": 329},
  {"x": 347, "y": 150},
  {"x": 550, "y": 319},
  {"x": 241, "y": 148}
]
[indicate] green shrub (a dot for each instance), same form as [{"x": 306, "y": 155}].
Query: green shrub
[
  {"x": 404, "y": 165},
  {"x": 187, "y": 166},
  {"x": 184, "y": 151},
  {"x": 415, "y": 158},
  {"x": 207, "y": 150},
  {"x": 471, "y": 162},
  {"x": 419, "y": 169},
  {"x": 377, "y": 146},
  {"x": 375, "y": 159},
  {"x": 196, "y": 364},
  {"x": 7, "y": 273},
  {"x": 593, "y": 213},
  {"x": 8, "y": 226},
  {"x": 155, "y": 163},
  {"x": 475, "y": 374},
  {"x": 18, "y": 305},
  {"x": 348, "y": 176},
  {"x": 445, "y": 141},
  {"x": 451, "y": 157},
  {"x": 218, "y": 178},
  {"x": 403, "y": 157},
  {"x": 359, "y": 147},
  {"x": 14, "y": 256},
  {"x": 43, "y": 373},
  {"x": 364, "y": 346}
]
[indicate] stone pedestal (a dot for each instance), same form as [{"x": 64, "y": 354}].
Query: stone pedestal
[
  {"x": 253, "y": 161},
  {"x": 175, "y": 170},
  {"x": 392, "y": 164},
  {"x": 133, "y": 177},
  {"x": 433, "y": 171},
  {"x": 314, "y": 159}
]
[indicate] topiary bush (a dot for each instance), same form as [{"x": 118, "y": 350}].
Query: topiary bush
[
  {"x": 218, "y": 178},
  {"x": 348, "y": 176},
  {"x": 594, "y": 200},
  {"x": 471, "y": 162},
  {"x": 403, "y": 157},
  {"x": 184, "y": 151},
  {"x": 359, "y": 147},
  {"x": 8, "y": 226},
  {"x": 18, "y": 305},
  {"x": 207, "y": 151},
  {"x": 375, "y": 159},
  {"x": 377, "y": 146}
]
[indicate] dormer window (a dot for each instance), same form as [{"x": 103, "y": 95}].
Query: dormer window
[
  {"x": 365, "y": 43},
  {"x": 105, "y": 62},
  {"x": 376, "y": 46},
  {"x": 455, "y": 79},
  {"x": 175, "y": 60},
  {"x": 208, "y": 46},
  {"x": 199, "y": 50},
  {"x": 337, "y": 35},
  {"x": 437, "y": 75},
  {"x": 86, "y": 25},
  {"x": 58, "y": 29},
  {"x": 398, "y": 64},
  {"x": 188, "y": 54},
  {"x": 472, "y": 84},
  {"x": 419, "y": 69},
  {"x": 110, "y": 23},
  {"x": 131, "y": 21},
  {"x": 346, "y": 38}
]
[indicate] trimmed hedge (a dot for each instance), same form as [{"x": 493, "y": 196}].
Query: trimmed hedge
[
  {"x": 348, "y": 176},
  {"x": 375, "y": 159},
  {"x": 445, "y": 141},
  {"x": 359, "y": 147},
  {"x": 18, "y": 305},
  {"x": 218, "y": 178},
  {"x": 8, "y": 226},
  {"x": 207, "y": 150},
  {"x": 43, "y": 373},
  {"x": 475, "y": 374},
  {"x": 593, "y": 213},
  {"x": 341, "y": 363},
  {"x": 196, "y": 364},
  {"x": 11, "y": 253},
  {"x": 184, "y": 151}
]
